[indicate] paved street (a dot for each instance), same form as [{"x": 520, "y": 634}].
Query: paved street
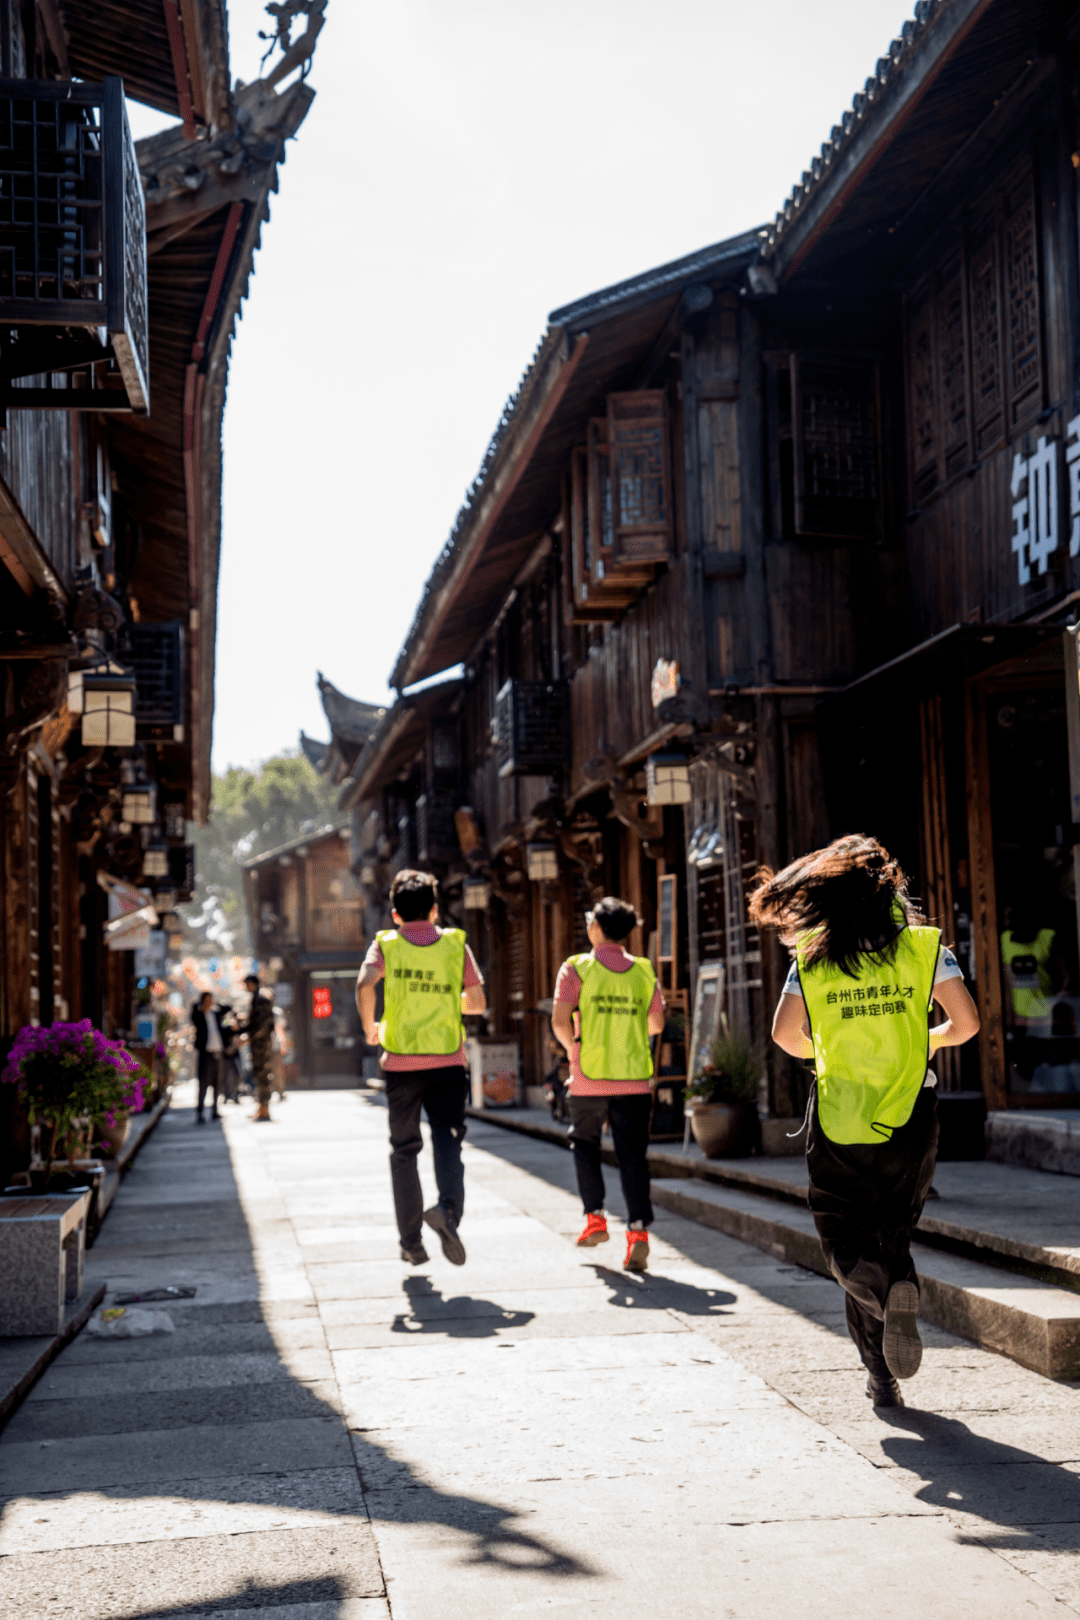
[{"x": 330, "y": 1434}]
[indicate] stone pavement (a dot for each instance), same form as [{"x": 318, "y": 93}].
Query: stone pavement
[{"x": 329, "y": 1433}]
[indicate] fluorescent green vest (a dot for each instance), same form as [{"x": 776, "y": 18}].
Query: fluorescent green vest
[
  {"x": 422, "y": 994},
  {"x": 614, "y": 1012},
  {"x": 871, "y": 1036},
  {"x": 1028, "y": 975}
]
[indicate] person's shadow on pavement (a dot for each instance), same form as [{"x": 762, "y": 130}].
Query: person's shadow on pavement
[
  {"x": 461, "y": 1317},
  {"x": 649, "y": 1293},
  {"x": 966, "y": 1473}
]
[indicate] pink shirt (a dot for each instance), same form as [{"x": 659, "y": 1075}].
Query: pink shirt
[
  {"x": 568, "y": 990},
  {"x": 374, "y": 969}
]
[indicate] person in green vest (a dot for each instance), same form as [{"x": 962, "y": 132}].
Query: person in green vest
[
  {"x": 606, "y": 1006},
  {"x": 430, "y": 978},
  {"x": 1028, "y": 954},
  {"x": 857, "y": 1002}
]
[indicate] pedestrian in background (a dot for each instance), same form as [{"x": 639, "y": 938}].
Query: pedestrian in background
[
  {"x": 209, "y": 1047},
  {"x": 858, "y": 1001},
  {"x": 430, "y": 978},
  {"x": 230, "y": 1056},
  {"x": 259, "y": 1030},
  {"x": 606, "y": 1006}
]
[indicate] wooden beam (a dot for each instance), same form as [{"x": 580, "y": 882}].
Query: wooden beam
[
  {"x": 193, "y": 51},
  {"x": 54, "y": 29},
  {"x": 179, "y": 65},
  {"x": 187, "y": 208},
  {"x": 21, "y": 541},
  {"x": 984, "y": 918}
]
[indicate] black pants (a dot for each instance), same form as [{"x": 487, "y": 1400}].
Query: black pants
[
  {"x": 866, "y": 1201},
  {"x": 629, "y": 1117},
  {"x": 209, "y": 1069},
  {"x": 441, "y": 1093}
]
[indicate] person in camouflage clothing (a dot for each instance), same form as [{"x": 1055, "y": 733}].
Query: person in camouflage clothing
[{"x": 259, "y": 1030}]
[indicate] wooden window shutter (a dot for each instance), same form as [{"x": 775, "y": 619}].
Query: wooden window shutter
[
  {"x": 640, "y": 473},
  {"x": 922, "y": 391},
  {"x": 1021, "y": 263},
  {"x": 835, "y": 431},
  {"x": 984, "y": 304},
  {"x": 590, "y": 599},
  {"x": 951, "y": 322}
]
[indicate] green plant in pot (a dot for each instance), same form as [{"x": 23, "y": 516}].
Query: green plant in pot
[
  {"x": 721, "y": 1098},
  {"x": 70, "y": 1079}
]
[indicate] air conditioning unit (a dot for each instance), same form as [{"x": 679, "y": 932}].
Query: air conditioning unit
[
  {"x": 73, "y": 268},
  {"x": 532, "y": 727},
  {"x": 155, "y": 655}
]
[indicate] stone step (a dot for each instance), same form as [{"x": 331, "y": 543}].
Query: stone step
[
  {"x": 1010, "y": 1216},
  {"x": 1034, "y": 1323}
]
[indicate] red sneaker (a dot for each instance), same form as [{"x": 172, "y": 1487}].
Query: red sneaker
[
  {"x": 594, "y": 1231},
  {"x": 637, "y": 1252}
]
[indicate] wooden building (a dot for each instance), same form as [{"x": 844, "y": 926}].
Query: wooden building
[
  {"x": 121, "y": 279},
  {"x": 305, "y": 912},
  {"x": 789, "y": 529}
]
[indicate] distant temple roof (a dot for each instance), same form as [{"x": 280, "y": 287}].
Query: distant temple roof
[
  {"x": 351, "y": 721},
  {"x": 314, "y": 751}
]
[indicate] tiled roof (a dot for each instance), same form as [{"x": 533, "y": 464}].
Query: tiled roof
[{"x": 861, "y": 112}]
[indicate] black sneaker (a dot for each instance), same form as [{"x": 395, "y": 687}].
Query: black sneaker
[
  {"x": 437, "y": 1218},
  {"x": 884, "y": 1391},
  {"x": 901, "y": 1345},
  {"x": 415, "y": 1254}
]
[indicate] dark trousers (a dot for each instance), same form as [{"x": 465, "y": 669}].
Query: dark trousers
[
  {"x": 209, "y": 1069},
  {"x": 441, "y": 1094},
  {"x": 629, "y": 1118},
  {"x": 866, "y": 1202}
]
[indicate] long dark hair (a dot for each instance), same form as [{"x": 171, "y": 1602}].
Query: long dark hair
[{"x": 849, "y": 898}]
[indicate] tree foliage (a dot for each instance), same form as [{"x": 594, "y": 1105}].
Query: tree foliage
[{"x": 252, "y": 811}]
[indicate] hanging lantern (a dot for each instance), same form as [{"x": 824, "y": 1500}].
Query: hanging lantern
[
  {"x": 477, "y": 894},
  {"x": 156, "y": 861},
  {"x": 667, "y": 777},
  {"x": 543, "y": 862},
  {"x": 138, "y": 803},
  {"x": 108, "y": 718}
]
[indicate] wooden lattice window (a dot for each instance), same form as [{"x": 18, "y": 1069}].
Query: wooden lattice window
[
  {"x": 639, "y": 473},
  {"x": 1022, "y": 298},
  {"x": 922, "y": 391},
  {"x": 974, "y": 345},
  {"x": 939, "y": 432},
  {"x": 835, "y": 432},
  {"x": 984, "y": 302}
]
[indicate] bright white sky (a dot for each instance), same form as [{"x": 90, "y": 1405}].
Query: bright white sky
[{"x": 467, "y": 166}]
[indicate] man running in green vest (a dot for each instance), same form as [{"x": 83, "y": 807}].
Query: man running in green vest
[
  {"x": 606, "y": 1006},
  {"x": 431, "y": 978},
  {"x": 857, "y": 1001}
]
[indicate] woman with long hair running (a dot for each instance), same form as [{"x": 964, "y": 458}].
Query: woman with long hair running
[{"x": 866, "y": 972}]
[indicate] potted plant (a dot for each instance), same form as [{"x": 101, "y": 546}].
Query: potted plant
[
  {"x": 721, "y": 1099},
  {"x": 71, "y": 1080}
]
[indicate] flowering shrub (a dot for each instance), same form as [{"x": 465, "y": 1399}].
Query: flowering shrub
[{"x": 67, "y": 1073}]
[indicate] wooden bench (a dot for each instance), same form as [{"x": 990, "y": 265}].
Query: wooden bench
[{"x": 42, "y": 1247}]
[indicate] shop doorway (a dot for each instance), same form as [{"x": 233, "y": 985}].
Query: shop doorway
[
  {"x": 333, "y": 1024},
  {"x": 1024, "y": 892}
]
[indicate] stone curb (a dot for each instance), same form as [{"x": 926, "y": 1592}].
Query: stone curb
[{"x": 22, "y": 1361}]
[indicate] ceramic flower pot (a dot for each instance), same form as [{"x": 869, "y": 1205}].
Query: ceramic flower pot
[{"x": 723, "y": 1130}]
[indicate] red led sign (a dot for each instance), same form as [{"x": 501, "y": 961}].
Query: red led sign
[{"x": 321, "y": 1004}]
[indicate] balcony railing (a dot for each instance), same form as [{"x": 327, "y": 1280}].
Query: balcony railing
[{"x": 73, "y": 295}]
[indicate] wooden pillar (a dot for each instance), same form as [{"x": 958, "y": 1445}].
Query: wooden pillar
[{"x": 984, "y": 926}]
